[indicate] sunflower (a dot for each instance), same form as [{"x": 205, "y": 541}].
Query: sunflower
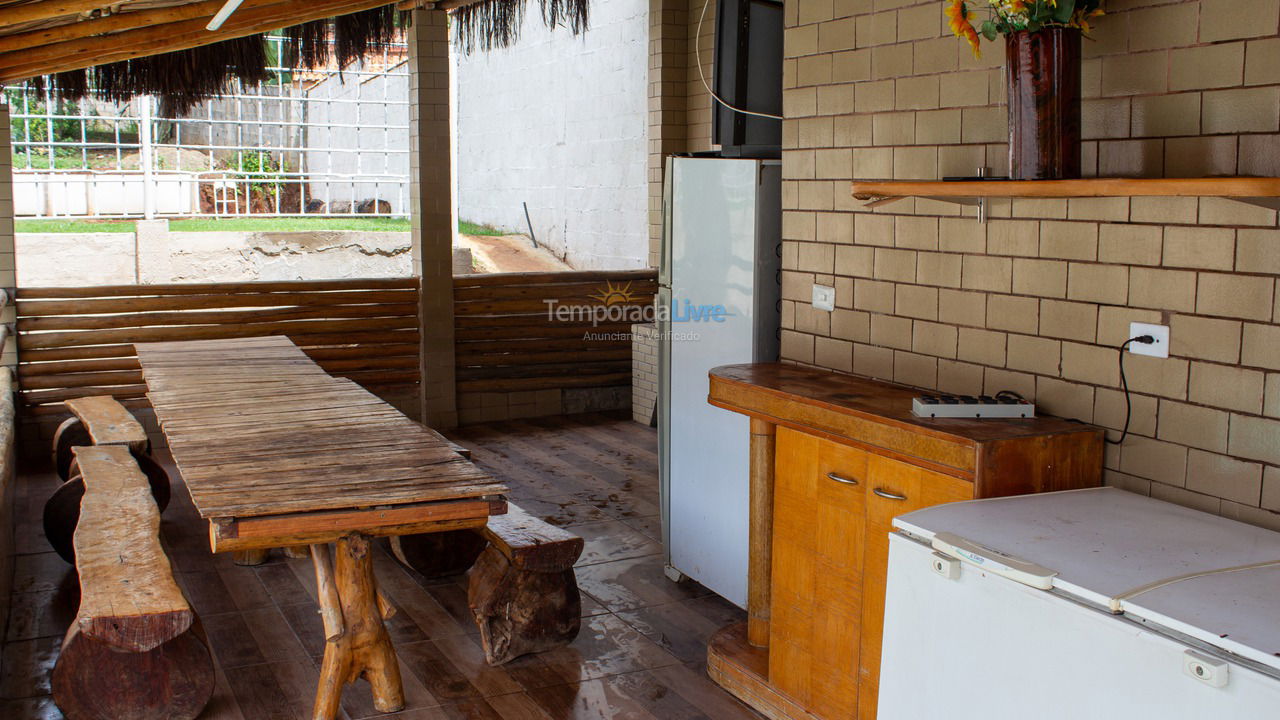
[{"x": 958, "y": 15}]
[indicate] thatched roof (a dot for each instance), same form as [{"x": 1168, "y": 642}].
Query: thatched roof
[{"x": 123, "y": 48}]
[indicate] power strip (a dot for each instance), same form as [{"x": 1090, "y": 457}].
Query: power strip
[{"x": 968, "y": 406}]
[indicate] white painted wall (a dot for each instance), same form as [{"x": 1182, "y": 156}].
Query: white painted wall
[{"x": 559, "y": 122}]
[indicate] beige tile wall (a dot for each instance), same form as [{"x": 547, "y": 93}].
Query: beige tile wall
[
  {"x": 679, "y": 105},
  {"x": 1037, "y": 299},
  {"x": 432, "y": 210}
]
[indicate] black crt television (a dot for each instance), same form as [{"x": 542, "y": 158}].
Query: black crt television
[{"x": 748, "y": 75}]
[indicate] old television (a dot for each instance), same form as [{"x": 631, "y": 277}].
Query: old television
[{"x": 748, "y": 75}]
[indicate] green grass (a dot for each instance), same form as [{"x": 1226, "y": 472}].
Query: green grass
[
  {"x": 72, "y": 226},
  {"x": 228, "y": 225},
  {"x": 371, "y": 224},
  {"x": 466, "y": 227}
]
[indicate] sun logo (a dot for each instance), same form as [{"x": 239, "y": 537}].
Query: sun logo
[{"x": 615, "y": 294}]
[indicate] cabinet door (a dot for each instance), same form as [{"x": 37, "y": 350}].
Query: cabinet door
[
  {"x": 893, "y": 488},
  {"x": 818, "y": 520}
]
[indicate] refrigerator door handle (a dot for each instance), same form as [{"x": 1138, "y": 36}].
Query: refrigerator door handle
[{"x": 994, "y": 561}]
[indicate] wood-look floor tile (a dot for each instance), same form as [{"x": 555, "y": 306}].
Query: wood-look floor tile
[
  {"x": 586, "y": 472},
  {"x": 36, "y": 708},
  {"x": 684, "y": 627},
  {"x": 259, "y": 694},
  {"x": 636, "y": 583},
  {"x": 605, "y": 646},
  {"x": 42, "y": 614},
  {"x": 565, "y": 511},
  {"x": 650, "y": 525},
  {"x": 635, "y": 696},
  {"x": 690, "y": 681},
  {"x": 231, "y": 641},
  {"x": 27, "y": 665},
  {"x": 41, "y": 572},
  {"x": 613, "y": 540}
]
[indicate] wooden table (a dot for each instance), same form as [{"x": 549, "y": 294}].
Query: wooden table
[{"x": 277, "y": 453}]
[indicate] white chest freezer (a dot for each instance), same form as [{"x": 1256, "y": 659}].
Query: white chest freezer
[{"x": 1082, "y": 604}]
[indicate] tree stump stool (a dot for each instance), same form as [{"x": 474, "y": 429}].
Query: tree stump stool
[
  {"x": 522, "y": 590},
  {"x": 136, "y": 649}
]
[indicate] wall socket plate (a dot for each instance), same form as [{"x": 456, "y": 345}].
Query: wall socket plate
[
  {"x": 1159, "y": 348},
  {"x": 824, "y": 297}
]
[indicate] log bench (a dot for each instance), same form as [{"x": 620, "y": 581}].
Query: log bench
[
  {"x": 96, "y": 421},
  {"x": 136, "y": 649},
  {"x": 521, "y": 585}
]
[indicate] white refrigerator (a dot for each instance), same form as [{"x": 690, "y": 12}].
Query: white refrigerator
[
  {"x": 1094, "y": 603},
  {"x": 718, "y": 304}
]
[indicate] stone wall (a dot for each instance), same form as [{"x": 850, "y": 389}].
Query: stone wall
[
  {"x": 1038, "y": 299},
  {"x": 558, "y": 121}
]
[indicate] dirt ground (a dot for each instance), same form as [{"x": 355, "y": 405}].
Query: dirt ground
[{"x": 509, "y": 253}]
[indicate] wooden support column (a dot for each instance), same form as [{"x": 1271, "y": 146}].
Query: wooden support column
[
  {"x": 760, "y": 567},
  {"x": 432, "y": 210},
  {"x": 356, "y": 640}
]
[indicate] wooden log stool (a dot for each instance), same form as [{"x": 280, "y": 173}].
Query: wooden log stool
[
  {"x": 136, "y": 649},
  {"x": 522, "y": 590},
  {"x": 98, "y": 421}
]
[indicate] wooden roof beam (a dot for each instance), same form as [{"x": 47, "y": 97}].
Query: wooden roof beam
[
  {"x": 169, "y": 37},
  {"x": 49, "y": 9},
  {"x": 111, "y": 23}
]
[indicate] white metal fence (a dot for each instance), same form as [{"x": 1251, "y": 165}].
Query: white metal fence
[{"x": 310, "y": 142}]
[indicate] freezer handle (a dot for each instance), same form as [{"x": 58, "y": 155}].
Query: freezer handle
[{"x": 994, "y": 561}]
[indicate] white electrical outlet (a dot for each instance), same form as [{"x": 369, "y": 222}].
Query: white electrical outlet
[
  {"x": 1159, "y": 348},
  {"x": 824, "y": 298}
]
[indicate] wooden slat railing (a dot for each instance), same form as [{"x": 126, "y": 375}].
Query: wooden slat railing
[
  {"x": 506, "y": 342},
  {"x": 79, "y": 341}
]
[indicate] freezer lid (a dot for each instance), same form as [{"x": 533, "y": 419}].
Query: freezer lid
[
  {"x": 1236, "y": 611},
  {"x": 1100, "y": 543}
]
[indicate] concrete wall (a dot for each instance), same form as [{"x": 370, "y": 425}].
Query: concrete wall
[
  {"x": 559, "y": 122},
  {"x": 71, "y": 259},
  {"x": 1038, "y": 299}
]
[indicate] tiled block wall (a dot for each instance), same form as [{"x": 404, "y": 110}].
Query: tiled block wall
[
  {"x": 644, "y": 372},
  {"x": 431, "y": 198},
  {"x": 1037, "y": 299},
  {"x": 679, "y": 105}
]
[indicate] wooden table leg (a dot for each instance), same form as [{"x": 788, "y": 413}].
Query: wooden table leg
[
  {"x": 760, "y": 562},
  {"x": 356, "y": 642}
]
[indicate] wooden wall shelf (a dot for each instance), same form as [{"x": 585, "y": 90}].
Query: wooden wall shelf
[{"x": 1264, "y": 191}]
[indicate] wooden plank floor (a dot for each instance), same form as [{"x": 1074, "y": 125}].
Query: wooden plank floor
[{"x": 640, "y": 654}]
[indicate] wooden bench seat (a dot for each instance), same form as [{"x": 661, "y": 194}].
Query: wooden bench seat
[
  {"x": 522, "y": 589},
  {"x": 135, "y": 649},
  {"x": 97, "y": 421}
]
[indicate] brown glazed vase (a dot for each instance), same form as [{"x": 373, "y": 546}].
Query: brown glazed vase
[{"x": 1043, "y": 72}]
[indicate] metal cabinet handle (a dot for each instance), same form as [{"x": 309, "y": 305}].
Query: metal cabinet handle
[
  {"x": 888, "y": 495},
  {"x": 839, "y": 479}
]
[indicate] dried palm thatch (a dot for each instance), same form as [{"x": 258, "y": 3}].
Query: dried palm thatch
[
  {"x": 186, "y": 78},
  {"x": 493, "y": 24}
]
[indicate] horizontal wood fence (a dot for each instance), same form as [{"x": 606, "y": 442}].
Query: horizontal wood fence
[
  {"x": 79, "y": 341},
  {"x": 506, "y": 340}
]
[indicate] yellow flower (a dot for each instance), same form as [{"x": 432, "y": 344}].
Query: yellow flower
[{"x": 958, "y": 20}]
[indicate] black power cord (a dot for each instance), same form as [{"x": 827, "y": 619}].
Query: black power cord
[{"x": 1124, "y": 383}]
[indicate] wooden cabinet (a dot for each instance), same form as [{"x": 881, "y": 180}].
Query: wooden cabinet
[
  {"x": 833, "y": 505},
  {"x": 847, "y": 458}
]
